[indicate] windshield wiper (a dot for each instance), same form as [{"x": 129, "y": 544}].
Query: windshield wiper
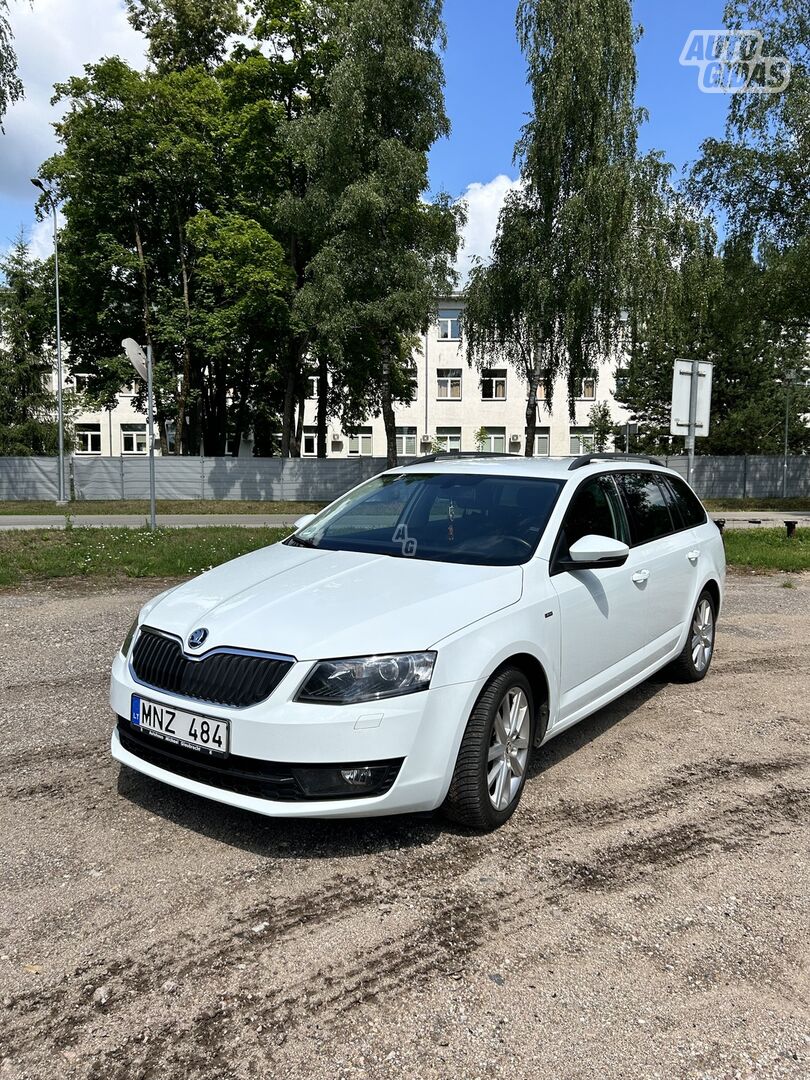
[{"x": 299, "y": 541}]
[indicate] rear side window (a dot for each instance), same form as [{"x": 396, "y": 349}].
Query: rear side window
[
  {"x": 687, "y": 502},
  {"x": 647, "y": 507}
]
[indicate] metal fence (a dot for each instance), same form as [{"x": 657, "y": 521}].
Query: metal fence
[{"x": 315, "y": 480}]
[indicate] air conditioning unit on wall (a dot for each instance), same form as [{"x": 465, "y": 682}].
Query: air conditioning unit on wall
[{"x": 514, "y": 439}]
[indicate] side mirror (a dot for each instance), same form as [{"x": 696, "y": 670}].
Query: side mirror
[
  {"x": 302, "y": 521},
  {"x": 595, "y": 553}
]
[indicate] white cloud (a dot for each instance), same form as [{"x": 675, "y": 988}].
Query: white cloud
[
  {"x": 54, "y": 39},
  {"x": 484, "y": 202}
]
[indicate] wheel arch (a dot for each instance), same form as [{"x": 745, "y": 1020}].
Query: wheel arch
[
  {"x": 713, "y": 587},
  {"x": 534, "y": 671}
]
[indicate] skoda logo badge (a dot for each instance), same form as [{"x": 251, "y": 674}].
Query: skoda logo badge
[{"x": 197, "y": 637}]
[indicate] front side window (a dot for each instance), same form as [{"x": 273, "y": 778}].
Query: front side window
[
  {"x": 360, "y": 445},
  {"x": 133, "y": 439},
  {"x": 449, "y": 439},
  {"x": 441, "y": 517},
  {"x": 449, "y": 324},
  {"x": 312, "y": 386},
  {"x": 647, "y": 507},
  {"x": 449, "y": 384},
  {"x": 88, "y": 438},
  {"x": 406, "y": 441},
  {"x": 493, "y": 385},
  {"x": 595, "y": 510}
]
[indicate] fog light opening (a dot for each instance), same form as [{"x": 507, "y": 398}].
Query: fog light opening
[{"x": 361, "y": 776}]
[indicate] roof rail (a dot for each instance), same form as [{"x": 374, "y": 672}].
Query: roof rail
[
  {"x": 454, "y": 455},
  {"x": 586, "y": 459}
]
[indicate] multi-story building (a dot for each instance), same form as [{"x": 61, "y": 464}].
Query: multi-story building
[{"x": 453, "y": 404}]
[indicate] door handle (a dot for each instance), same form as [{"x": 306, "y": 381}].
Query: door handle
[
  {"x": 693, "y": 556},
  {"x": 640, "y": 576}
]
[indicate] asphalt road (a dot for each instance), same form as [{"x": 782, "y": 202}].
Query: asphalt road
[
  {"x": 644, "y": 914},
  {"x": 736, "y": 519}
]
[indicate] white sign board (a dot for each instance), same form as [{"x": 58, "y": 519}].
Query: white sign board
[
  {"x": 681, "y": 392},
  {"x": 137, "y": 357}
]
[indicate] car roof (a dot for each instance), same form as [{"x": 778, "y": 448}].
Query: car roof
[{"x": 556, "y": 468}]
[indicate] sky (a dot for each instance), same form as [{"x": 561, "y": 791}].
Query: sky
[{"x": 486, "y": 94}]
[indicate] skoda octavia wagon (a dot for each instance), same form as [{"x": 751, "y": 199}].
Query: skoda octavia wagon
[{"x": 409, "y": 647}]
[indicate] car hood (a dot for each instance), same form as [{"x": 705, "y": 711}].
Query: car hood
[{"x": 320, "y": 604}]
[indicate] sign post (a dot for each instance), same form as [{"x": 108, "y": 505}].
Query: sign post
[
  {"x": 142, "y": 362},
  {"x": 691, "y": 404}
]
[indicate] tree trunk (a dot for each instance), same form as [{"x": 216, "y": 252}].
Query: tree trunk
[
  {"x": 531, "y": 404},
  {"x": 389, "y": 420},
  {"x": 323, "y": 403}
]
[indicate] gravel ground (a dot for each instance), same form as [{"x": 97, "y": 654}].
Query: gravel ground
[{"x": 644, "y": 914}]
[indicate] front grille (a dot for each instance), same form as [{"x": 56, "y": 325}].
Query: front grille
[
  {"x": 245, "y": 776},
  {"x": 223, "y": 678}
]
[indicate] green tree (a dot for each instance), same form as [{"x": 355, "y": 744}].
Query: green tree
[
  {"x": 186, "y": 33},
  {"x": 602, "y": 426},
  {"x": 386, "y": 253},
  {"x": 27, "y": 402},
  {"x": 11, "y": 88},
  {"x": 549, "y": 300}
]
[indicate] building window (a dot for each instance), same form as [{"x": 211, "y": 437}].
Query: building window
[
  {"x": 581, "y": 441},
  {"x": 542, "y": 442},
  {"x": 360, "y": 445},
  {"x": 622, "y": 383},
  {"x": 495, "y": 442},
  {"x": 88, "y": 438},
  {"x": 493, "y": 385},
  {"x": 312, "y": 387},
  {"x": 448, "y": 438},
  {"x": 406, "y": 441},
  {"x": 133, "y": 438},
  {"x": 81, "y": 382},
  {"x": 411, "y": 375},
  {"x": 449, "y": 384},
  {"x": 309, "y": 446},
  {"x": 588, "y": 389},
  {"x": 449, "y": 324}
]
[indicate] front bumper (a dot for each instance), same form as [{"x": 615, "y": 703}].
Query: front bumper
[{"x": 419, "y": 734}]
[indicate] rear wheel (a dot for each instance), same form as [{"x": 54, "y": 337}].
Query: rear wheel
[
  {"x": 693, "y": 663},
  {"x": 494, "y": 755}
]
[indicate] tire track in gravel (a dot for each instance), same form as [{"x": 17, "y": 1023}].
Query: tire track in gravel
[{"x": 451, "y": 934}]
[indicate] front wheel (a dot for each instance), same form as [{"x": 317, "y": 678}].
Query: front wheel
[
  {"x": 494, "y": 755},
  {"x": 693, "y": 663}
]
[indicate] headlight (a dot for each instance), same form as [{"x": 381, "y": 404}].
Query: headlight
[
  {"x": 129, "y": 637},
  {"x": 367, "y": 678}
]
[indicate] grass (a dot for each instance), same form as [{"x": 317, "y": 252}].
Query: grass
[
  {"x": 768, "y": 549},
  {"x": 42, "y": 554},
  {"x": 164, "y": 506},
  {"x": 716, "y": 506}
]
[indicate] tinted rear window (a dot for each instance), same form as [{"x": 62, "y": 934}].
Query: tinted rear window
[
  {"x": 687, "y": 502},
  {"x": 646, "y": 505}
]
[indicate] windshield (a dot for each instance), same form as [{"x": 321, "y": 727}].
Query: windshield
[{"x": 445, "y": 517}]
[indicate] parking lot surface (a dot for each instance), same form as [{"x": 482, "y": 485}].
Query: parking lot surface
[{"x": 644, "y": 914}]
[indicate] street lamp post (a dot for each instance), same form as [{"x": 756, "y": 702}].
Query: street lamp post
[{"x": 61, "y": 500}]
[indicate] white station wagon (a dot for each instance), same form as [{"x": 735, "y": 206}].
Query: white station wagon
[{"x": 411, "y": 645}]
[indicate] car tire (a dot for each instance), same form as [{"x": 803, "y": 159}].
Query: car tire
[
  {"x": 495, "y": 754},
  {"x": 695, "y": 659}
]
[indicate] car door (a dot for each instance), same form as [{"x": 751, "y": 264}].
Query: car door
[
  {"x": 598, "y": 607},
  {"x": 662, "y": 570},
  {"x": 699, "y": 534}
]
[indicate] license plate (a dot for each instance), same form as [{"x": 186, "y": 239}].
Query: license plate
[{"x": 203, "y": 733}]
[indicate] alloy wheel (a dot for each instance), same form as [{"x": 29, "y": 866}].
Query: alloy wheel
[
  {"x": 702, "y": 636},
  {"x": 509, "y": 748}
]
